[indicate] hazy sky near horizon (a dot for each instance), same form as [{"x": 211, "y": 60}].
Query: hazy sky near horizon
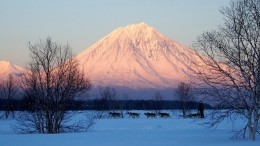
[{"x": 83, "y": 22}]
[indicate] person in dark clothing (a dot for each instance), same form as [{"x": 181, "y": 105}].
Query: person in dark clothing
[{"x": 201, "y": 110}]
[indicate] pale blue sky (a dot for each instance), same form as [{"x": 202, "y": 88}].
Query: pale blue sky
[{"x": 83, "y": 22}]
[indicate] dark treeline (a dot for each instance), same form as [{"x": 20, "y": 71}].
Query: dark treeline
[{"x": 97, "y": 104}]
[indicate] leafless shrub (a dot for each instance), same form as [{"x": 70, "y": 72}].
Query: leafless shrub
[
  {"x": 8, "y": 91},
  {"x": 52, "y": 80}
]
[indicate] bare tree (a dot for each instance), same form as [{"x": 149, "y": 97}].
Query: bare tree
[
  {"x": 51, "y": 82},
  {"x": 108, "y": 96},
  {"x": 184, "y": 93},
  {"x": 8, "y": 93},
  {"x": 122, "y": 102},
  {"x": 1, "y": 97},
  {"x": 158, "y": 102},
  {"x": 229, "y": 67}
]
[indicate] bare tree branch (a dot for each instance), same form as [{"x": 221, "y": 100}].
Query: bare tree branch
[{"x": 229, "y": 66}]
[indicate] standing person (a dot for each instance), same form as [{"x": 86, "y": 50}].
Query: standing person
[{"x": 201, "y": 109}]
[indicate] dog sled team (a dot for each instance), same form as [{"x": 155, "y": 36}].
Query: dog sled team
[
  {"x": 137, "y": 115},
  {"x": 199, "y": 114}
]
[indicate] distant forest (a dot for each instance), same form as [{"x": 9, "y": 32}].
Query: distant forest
[{"x": 99, "y": 104}]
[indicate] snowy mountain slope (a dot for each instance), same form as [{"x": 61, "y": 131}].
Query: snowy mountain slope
[
  {"x": 136, "y": 56},
  {"x": 6, "y": 69}
]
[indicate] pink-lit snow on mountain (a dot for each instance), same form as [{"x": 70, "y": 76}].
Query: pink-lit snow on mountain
[
  {"x": 136, "y": 56},
  {"x": 6, "y": 69}
]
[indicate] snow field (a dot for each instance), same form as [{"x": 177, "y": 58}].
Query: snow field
[{"x": 143, "y": 131}]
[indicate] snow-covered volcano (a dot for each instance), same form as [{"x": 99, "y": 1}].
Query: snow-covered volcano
[
  {"x": 136, "y": 56},
  {"x": 6, "y": 69}
]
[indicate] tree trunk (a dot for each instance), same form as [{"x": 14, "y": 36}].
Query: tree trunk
[
  {"x": 183, "y": 112},
  {"x": 255, "y": 125},
  {"x": 252, "y": 124}
]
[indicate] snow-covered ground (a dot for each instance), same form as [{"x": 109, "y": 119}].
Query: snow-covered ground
[{"x": 174, "y": 131}]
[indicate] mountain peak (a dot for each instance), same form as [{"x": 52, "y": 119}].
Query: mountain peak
[
  {"x": 5, "y": 64},
  {"x": 133, "y": 31},
  {"x": 141, "y": 25}
]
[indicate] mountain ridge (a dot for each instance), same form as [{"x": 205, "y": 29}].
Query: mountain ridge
[{"x": 7, "y": 68}]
